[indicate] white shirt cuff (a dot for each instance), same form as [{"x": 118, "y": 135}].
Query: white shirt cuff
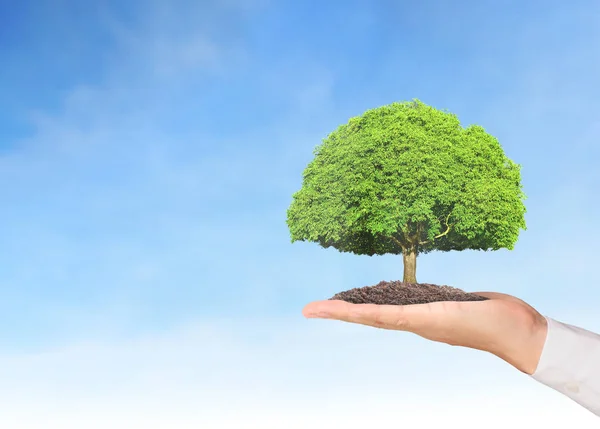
[{"x": 570, "y": 364}]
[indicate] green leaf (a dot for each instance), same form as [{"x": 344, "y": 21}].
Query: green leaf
[{"x": 408, "y": 175}]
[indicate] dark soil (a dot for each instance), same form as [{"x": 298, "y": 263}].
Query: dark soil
[{"x": 398, "y": 293}]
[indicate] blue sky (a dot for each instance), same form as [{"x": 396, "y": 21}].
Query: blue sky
[{"x": 148, "y": 154}]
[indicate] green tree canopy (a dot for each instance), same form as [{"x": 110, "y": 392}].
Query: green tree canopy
[{"x": 407, "y": 178}]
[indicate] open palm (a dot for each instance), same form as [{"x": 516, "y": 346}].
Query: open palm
[{"x": 503, "y": 325}]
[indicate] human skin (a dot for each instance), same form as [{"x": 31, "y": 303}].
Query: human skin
[{"x": 502, "y": 325}]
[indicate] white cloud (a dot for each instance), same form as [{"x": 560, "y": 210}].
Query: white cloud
[{"x": 272, "y": 373}]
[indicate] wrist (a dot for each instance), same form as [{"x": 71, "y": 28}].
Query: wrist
[
  {"x": 523, "y": 347},
  {"x": 531, "y": 350}
]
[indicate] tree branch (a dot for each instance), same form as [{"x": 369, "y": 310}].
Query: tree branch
[
  {"x": 443, "y": 233},
  {"x": 398, "y": 242}
]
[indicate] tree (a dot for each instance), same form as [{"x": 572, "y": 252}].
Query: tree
[{"x": 408, "y": 179}]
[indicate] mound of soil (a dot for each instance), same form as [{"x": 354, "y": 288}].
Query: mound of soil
[{"x": 399, "y": 293}]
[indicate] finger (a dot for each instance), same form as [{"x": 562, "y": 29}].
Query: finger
[
  {"x": 364, "y": 314},
  {"x": 381, "y": 316}
]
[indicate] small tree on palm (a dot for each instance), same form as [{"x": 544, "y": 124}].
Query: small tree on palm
[{"x": 408, "y": 179}]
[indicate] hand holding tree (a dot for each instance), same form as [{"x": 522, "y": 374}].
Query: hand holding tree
[{"x": 409, "y": 179}]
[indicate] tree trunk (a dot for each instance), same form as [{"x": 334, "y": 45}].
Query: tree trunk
[{"x": 409, "y": 257}]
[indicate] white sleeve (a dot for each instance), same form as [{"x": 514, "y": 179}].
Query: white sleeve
[{"x": 570, "y": 364}]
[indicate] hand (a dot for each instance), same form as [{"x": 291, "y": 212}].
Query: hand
[{"x": 503, "y": 325}]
